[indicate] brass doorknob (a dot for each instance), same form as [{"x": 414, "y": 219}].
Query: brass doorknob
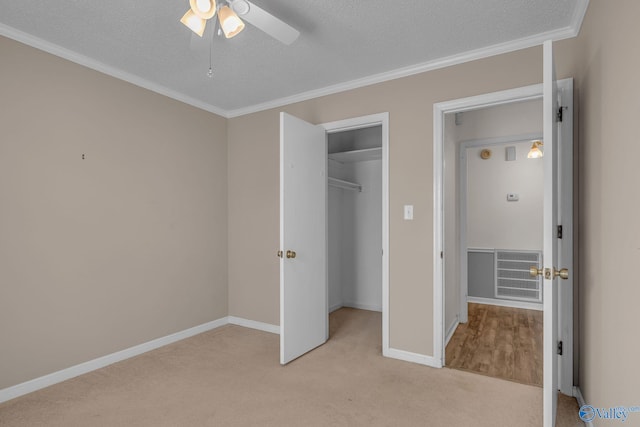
[
  {"x": 535, "y": 271},
  {"x": 563, "y": 273},
  {"x": 279, "y": 254},
  {"x": 291, "y": 254}
]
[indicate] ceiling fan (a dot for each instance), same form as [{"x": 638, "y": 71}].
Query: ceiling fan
[{"x": 229, "y": 13}]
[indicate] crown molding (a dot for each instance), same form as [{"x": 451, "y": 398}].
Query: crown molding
[
  {"x": 93, "y": 64},
  {"x": 563, "y": 33},
  {"x": 473, "y": 55},
  {"x": 578, "y": 16}
]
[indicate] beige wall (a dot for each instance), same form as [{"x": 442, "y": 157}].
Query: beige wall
[
  {"x": 607, "y": 60},
  {"x": 101, "y": 254},
  {"x": 604, "y": 60},
  {"x": 129, "y": 244},
  {"x": 253, "y": 187}
]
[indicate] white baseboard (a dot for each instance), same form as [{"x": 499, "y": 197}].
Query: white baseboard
[
  {"x": 335, "y": 307},
  {"x": 266, "y": 327},
  {"x": 370, "y": 307},
  {"x": 577, "y": 393},
  {"x": 408, "y": 356},
  {"x": 506, "y": 303},
  {"x": 83, "y": 368},
  {"x": 452, "y": 328}
]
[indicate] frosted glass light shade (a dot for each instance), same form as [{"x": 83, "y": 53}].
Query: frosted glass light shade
[
  {"x": 535, "y": 152},
  {"x": 194, "y": 22},
  {"x": 229, "y": 21},
  {"x": 205, "y": 9}
]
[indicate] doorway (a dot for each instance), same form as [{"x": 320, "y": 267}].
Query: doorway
[
  {"x": 493, "y": 233},
  {"x": 304, "y": 220},
  {"x": 557, "y": 99},
  {"x": 357, "y": 215},
  {"x": 355, "y": 219}
]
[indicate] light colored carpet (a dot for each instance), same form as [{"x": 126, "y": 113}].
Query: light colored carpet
[{"x": 231, "y": 377}]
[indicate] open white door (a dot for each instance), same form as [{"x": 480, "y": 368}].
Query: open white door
[
  {"x": 551, "y": 207},
  {"x": 304, "y": 315}
]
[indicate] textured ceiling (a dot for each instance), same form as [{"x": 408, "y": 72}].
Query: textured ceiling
[{"x": 342, "y": 44}]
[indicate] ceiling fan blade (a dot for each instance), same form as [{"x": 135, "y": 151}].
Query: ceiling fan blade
[{"x": 271, "y": 25}]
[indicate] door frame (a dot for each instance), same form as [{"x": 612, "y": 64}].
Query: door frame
[
  {"x": 525, "y": 93},
  {"x": 380, "y": 119}
]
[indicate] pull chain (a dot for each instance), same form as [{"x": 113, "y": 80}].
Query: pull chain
[{"x": 213, "y": 34}]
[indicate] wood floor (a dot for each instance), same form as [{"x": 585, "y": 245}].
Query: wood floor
[{"x": 500, "y": 342}]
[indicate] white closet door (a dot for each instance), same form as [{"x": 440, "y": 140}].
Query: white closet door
[{"x": 304, "y": 321}]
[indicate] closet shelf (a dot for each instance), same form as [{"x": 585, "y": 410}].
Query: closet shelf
[
  {"x": 357, "y": 155},
  {"x": 346, "y": 185}
]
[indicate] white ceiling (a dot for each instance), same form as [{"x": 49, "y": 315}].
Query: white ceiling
[{"x": 342, "y": 44}]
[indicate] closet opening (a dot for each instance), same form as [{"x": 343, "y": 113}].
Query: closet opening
[{"x": 355, "y": 230}]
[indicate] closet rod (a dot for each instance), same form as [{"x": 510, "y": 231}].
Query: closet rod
[{"x": 335, "y": 182}]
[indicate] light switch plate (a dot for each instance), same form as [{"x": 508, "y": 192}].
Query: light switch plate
[
  {"x": 408, "y": 212},
  {"x": 512, "y": 197}
]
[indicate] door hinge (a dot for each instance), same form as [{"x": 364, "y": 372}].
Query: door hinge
[
  {"x": 560, "y": 348},
  {"x": 441, "y": 254},
  {"x": 559, "y": 113},
  {"x": 559, "y": 233}
]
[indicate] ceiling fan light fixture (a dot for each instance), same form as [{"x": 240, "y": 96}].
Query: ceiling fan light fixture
[
  {"x": 229, "y": 21},
  {"x": 241, "y": 7},
  {"x": 194, "y": 22},
  {"x": 535, "y": 152},
  {"x": 205, "y": 9}
]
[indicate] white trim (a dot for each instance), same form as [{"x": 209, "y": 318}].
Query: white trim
[
  {"x": 253, "y": 324},
  {"x": 335, "y": 307},
  {"x": 439, "y": 110},
  {"x": 482, "y": 250},
  {"x": 357, "y": 123},
  {"x": 408, "y": 356},
  {"x": 438, "y": 233},
  {"x": 577, "y": 393},
  {"x": 370, "y": 307},
  {"x": 85, "y": 61},
  {"x": 578, "y": 16},
  {"x": 83, "y": 368},
  {"x": 368, "y": 121},
  {"x": 451, "y": 330},
  {"x": 100, "y": 362},
  {"x": 477, "y": 102},
  {"x": 463, "y": 249},
  {"x": 473, "y": 55},
  {"x": 506, "y": 303},
  {"x": 501, "y": 140},
  {"x": 571, "y": 30}
]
